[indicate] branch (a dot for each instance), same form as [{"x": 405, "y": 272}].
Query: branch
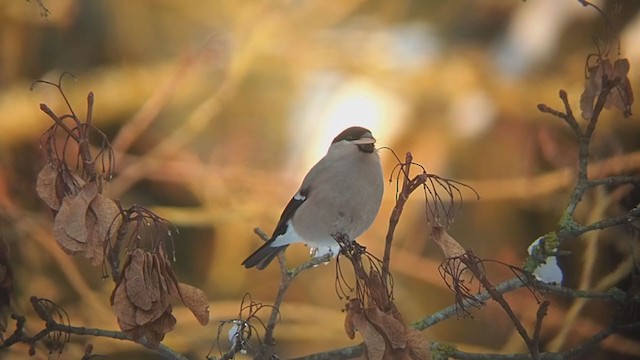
[
  {"x": 582, "y": 348},
  {"x": 473, "y": 263},
  {"x": 395, "y": 216},
  {"x": 287, "y": 277},
  {"x": 20, "y": 336}
]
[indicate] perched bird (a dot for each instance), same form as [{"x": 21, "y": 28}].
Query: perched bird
[{"x": 341, "y": 194}]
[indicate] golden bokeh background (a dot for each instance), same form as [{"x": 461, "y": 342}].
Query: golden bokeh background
[{"x": 216, "y": 110}]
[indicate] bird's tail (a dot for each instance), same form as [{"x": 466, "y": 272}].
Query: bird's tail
[{"x": 263, "y": 256}]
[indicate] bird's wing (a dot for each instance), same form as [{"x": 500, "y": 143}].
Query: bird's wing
[
  {"x": 282, "y": 236},
  {"x": 285, "y": 219}
]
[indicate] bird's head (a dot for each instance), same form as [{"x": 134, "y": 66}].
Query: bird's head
[{"x": 358, "y": 136}]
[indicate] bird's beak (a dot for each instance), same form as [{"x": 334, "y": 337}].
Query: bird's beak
[{"x": 366, "y": 139}]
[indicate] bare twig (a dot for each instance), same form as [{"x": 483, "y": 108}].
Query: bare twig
[
  {"x": 402, "y": 198},
  {"x": 287, "y": 277},
  {"x": 51, "y": 326},
  {"x": 542, "y": 312}
]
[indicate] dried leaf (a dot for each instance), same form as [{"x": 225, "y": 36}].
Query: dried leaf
[
  {"x": 76, "y": 224},
  {"x": 592, "y": 88},
  {"x": 353, "y": 307},
  {"x": 167, "y": 273},
  {"x": 63, "y": 217},
  {"x": 153, "y": 332},
  {"x": 46, "y": 186},
  {"x": 373, "y": 340},
  {"x": 196, "y": 300},
  {"x": 151, "y": 324},
  {"x": 450, "y": 247},
  {"x": 419, "y": 346},
  {"x": 157, "y": 309},
  {"x": 378, "y": 292},
  {"x": 123, "y": 308},
  {"x": 620, "y": 97},
  {"x": 153, "y": 276},
  {"x": 94, "y": 247},
  {"x": 105, "y": 215},
  {"x": 135, "y": 281},
  {"x": 156, "y": 330},
  {"x": 392, "y": 329}
]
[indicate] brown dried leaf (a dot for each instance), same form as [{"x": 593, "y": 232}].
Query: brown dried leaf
[
  {"x": 353, "y": 308},
  {"x": 137, "y": 322},
  {"x": 46, "y": 186},
  {"x": 105, "y": 215},
  {"x": 63, "y": 217},
  {"x": 373, "y": 340},
  {"x": 378, "y": 292},
  {"x": 76, "y": 222},
  {"x": 153, "y": 276},
  {"x": 620, "y": 97},
  {"x": 153, "y": 332},
  {"x": 135, "y": 281},
  {"x": 196, "y": 300},
  {"x": 592, "y": 88},
  {"x": 419, "y": 346},
  {"x": 171, "y": 280},
  {"x": 450, "y": 247},
  {"x": 157, "y": 309},
  {"x": 123, "y": 308},
  {"x": 94, "y": 249},
  {"x": 156, "y": 330},
  {"x": 392, "y": 329}
]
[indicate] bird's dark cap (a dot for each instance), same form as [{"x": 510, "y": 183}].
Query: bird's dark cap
[{"x": 354, "y": 133}]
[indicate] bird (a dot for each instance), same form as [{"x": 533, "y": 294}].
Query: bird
[{"x": 341, "y": 194}]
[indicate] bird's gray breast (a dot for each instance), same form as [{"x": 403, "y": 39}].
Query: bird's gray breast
[{"x": 344, "y": 198}]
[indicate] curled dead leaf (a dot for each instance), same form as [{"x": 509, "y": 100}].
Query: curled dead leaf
[
  {"x": 60, "y": 223},
  {"x": 122, "y": 306},
  {"x": 76, "y": 222},
  {"x": 103, "y": 215},
  {"x": 134, "y": 280},
  {"x": 373, "y": 340},
  {"x": 153, "y": 332},
  {"x": 419, "y": 346},
  {"x": 353, "y": 307},
  {"x": 450, "y": 247},
  {"x": 77, "y": 227},
  {"x": 394, "y": 330},
  {"x": 196, "y": 300},
  {"x": 621, "y": 97},
  {"x": 378, "y": 292},
  {"x": 46, "y": 186},
  {"x": 384, "y": 333}
]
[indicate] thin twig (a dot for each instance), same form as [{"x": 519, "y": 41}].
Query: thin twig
[
  {"x": 19, "y": 336},
  {"x": 542, "y": 312},
  {"x": 286, "y": 278}
]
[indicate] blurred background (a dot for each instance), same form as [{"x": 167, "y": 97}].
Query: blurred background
[{"x": 217, "y": 109}]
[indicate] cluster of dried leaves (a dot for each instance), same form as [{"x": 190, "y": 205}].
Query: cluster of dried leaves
[
  {"x": 142, "y": 297},
  {"x": 602, "y": 75},
  {"x": 82, "y": 215},
  {"x": 375, "y": 316},
  {"x": 89, "y": 223}
]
